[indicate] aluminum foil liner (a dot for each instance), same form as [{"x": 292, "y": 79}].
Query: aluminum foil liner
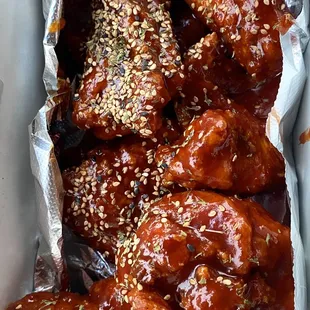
[{"x": 84, "y": 264}]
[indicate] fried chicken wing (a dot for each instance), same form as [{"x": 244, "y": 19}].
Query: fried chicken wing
[
  {"x": 105, "y": 194},
  {"x": 207, "y": 289},
  {"x": 110, "y": 295},
  {"x": 212, "y": 78},
  {"x": 132, "y": 69},
  {"x": 205, "y": 246},
  {"x": 50, "y": 301},
  {"x": 251, "y": 28},
  {"x": 224, "y": 150}
]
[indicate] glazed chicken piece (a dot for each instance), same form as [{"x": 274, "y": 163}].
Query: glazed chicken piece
[
  {"x": 105, "y": 194},
  {"x": 212, "y": 78},
  {"x": 110, "y": 295},
  {"x": 205, "y": 247},
  {"x": 260, "y": 99},
  {"x": 207, "y": 289},
  {"x": 251, "y": 28},
  {"x": 132, "y": 69},
  {"x": 50, "y": 301},
  {"x": 225, "y": 150},
  {"x": 103, "y": 295}
]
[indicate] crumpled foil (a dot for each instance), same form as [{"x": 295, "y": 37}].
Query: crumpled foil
[{"x": 61, "y": 253}]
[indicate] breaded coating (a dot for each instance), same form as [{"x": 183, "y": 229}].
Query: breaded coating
[
  {"x": 204, "y": 244},
  {"x": 213, "y": 81},
  {"x": 251, "y": 28},
  {"x": 132, "y": 69},
  {"x": 105, "y": 194},
  {"x": 225, "y": 150},
  {"x": 108, "y": 294}
]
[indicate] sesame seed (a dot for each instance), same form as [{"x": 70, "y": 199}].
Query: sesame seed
[
  {"x": 221, "y": 208},
  {"x": 212, "y": 213},
  {"x": 237, "y": 237},
  {"x": 202, "y": 228},
  {"x": 226, "y": 282},
  {"x": 219, "y": 279}
]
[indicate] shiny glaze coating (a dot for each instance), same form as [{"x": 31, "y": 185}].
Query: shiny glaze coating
[
  {"x": 251, "y": 28},
  {"x": 105, "y": 194},
  {"x": 50, "y": 301},
  {"x": 207, "y": 289},
  {"x": 225, "y": 150},
  {"x": 201, "y": 245},
  {"x": 132, "y": 69},
  {"x": 104, "y": 295},
  {"x": 213, "y": 80},
  {"x": 260, "y": 99},
  {"x": 108, "y": 294}
]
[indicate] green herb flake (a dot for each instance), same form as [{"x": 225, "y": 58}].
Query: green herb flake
[
  {"x": 254, "y": 260},
  {"x": 47, "y": 303}
]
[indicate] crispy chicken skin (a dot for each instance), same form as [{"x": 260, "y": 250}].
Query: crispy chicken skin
[
  {"x": 213, "y": 81},
  {"x": 251, "y": 28},
  {"x": 105, "y": 194},
  {"x": 132, "y": 69},
  {"x": 50, "y": 301},
  {"x": 225, "y": 150},
  {"x": 206, "y": 246}
]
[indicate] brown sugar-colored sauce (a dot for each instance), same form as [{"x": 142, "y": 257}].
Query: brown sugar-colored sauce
[
  {"x": 305, "y": 136},
  {"x": 173, "y": 179}
]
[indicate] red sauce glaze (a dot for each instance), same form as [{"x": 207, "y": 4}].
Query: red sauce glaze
[
  {"x": 50, "y": 301},
  {"x": 175, "y": 249},
  {"x": 197, "y": 247},
  {"x": 104, "y": 295},
  {"x": 132, "y": 69},
  {"x": 108, "y": 294},
  {"x": 305, "y": 136},
  {"x": 105, "y": 194},
  {"x": 251, "y": 28},
  {"x": 224, "y": 150},
  {"x": 212, "y": 78},
  {"x": 260, "y": 99}
]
